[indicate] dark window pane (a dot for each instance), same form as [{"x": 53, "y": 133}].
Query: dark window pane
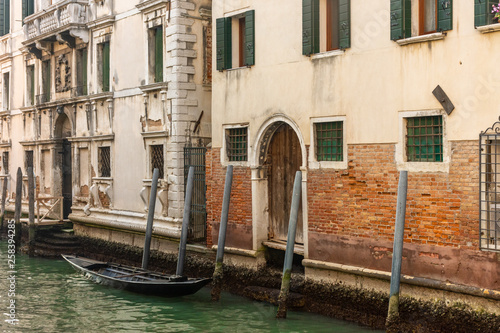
[
  {"x": 424, "y": 139},
  {"x": 237, "y": 144},
  {"x": 329, "y": 141}
]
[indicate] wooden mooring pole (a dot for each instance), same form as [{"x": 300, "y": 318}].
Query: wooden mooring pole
[
  {"x": 31, "y": 211},
  {"x": 219, "y": 260},
  {"x": 397, "y": 252},
  {"x": 185, "y": 222},
  {"x": 290, "y": 244},
  {"x": 151, "y": 216},
  {"x": 17, "y": 209},
  {"x": 4, "y": 198}
]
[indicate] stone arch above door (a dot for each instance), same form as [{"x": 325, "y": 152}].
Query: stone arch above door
[{"x": 265, "y": 135}]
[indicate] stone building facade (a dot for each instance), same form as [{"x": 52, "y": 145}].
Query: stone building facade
[
  {"x": 96, "y": 94},
  {"x": 351, "y": 96}
]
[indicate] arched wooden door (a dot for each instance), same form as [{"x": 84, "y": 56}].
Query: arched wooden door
[{"x": 284, "y": 159}]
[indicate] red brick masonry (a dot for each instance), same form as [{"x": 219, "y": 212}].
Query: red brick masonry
[{"x": 352, "y": 213}]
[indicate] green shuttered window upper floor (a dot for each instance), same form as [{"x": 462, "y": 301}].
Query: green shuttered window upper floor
[
  {"x": 482, "y": 12},
  {"x": 224, "y": 37},
  {"x": 401, "y": 17},
  {"x": 338, "y": 25},
  {"x": 4, "y": 17},
  {"x": 28, "y": 7}
]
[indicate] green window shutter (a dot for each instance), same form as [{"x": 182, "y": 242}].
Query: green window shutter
[
  {"x": 445, "y": 15},
  {"x": 344, "y": 24},
  {"x": 31, "y": 7},
  {"x": 249, "y": 47},
  {"x": 105, "y": 66},
  {"x": 84, "y": 70},
  {"x": 310, "y": 27},
  {"x": 397, "y": 19},
  {"x": 159, "y": 54},
  {"x": 2, "y": 17},
  {"x": 407, "y": 19},
  {"x": 482, "y": 12},
  {"x": 7, "y": 17},
  {"x": 223, "y": 45},
  {"x": 25, "y": 8},
  {"x": 220, "y": 45}
]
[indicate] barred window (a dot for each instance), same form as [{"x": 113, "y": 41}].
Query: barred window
[
  {"x": 237, "y": 142},
  {"x": 329, "y": 141},
  {"x": 157, "y": 159},
  {"x": 424, "y": 139},
  {"x": 28, "y": 159},
  {"x": 104, "y": 157},
  {"x": 5, "y": 157}
]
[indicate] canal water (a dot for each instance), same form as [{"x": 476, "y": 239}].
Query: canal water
[{"x": 51, "y": 297}]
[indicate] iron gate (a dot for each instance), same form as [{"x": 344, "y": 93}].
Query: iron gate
[
  {"x": 195, "y": 156},
  {"x": 489, "y": 195}
]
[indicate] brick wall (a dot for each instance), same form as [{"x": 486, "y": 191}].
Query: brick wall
[
  {"x": 239, "y": 231},
  {"x": 352, "y": 216},
  {"x": 360, "y": 202}
]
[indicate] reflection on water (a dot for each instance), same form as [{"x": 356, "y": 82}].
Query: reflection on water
[{"x": 52, "y": 297}]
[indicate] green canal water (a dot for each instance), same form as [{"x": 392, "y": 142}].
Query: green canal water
[{"x": 51, "y": 297}]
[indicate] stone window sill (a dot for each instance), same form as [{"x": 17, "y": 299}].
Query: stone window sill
[
  {"x": 327, "y": 54},
  {"x": 489, "y": 28},
  {"x": 422, "y": 39}
]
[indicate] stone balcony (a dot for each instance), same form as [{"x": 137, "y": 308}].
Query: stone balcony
[{"x": 63, "y": 22}]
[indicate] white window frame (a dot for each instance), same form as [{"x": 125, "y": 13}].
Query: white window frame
[
  {"x": 224, "y": 158},
  {"x": 401, "y": 159},
  {"x": 313, "y": 162}
]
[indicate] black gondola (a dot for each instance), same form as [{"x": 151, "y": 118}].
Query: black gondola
[{"x": 136, "y": 279}]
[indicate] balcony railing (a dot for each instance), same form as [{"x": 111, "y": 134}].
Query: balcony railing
[{"x": 62, "y": 16}]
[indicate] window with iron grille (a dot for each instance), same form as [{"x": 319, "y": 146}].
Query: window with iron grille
[
  {"x": 28, "y": 159},
  {"x": 104, "y": 157},
  {"x": 329, "y": 141},
  {"x": 424, "y": 139},
  {"x": 5, "y": 157},
  {"x": 236, "y": 139},
  {"x": 157, "y": 160},
  {"x": 489, "y": 192}
]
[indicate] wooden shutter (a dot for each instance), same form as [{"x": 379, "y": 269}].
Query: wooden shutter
[
  {"x": 105, "y": 66},
  {"x": 31, "y": 7},
  {"x": 7, "y": 17},
  {"x": 310, "y": 27},
  {"x": 407, "y": 18},
  {"x": 249, "y": 47},
  {"x": 445, "y": 15},
  {"x": 400, "y": 19},
  {"x": 223, "y": 45},
  {"x": 25, "y": 8},
  {"x": 482, "y": 12},
  {"x": 159, "y": 54},
  {"x": 2, "y": 17},
  {"x": 344, "y": 24}
]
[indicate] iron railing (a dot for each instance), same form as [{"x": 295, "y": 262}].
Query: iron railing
[{"x": 489, "y": 182}]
